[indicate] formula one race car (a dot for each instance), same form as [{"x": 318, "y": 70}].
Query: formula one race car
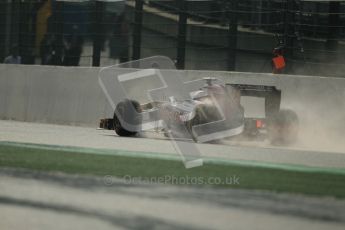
[{"x": 216, "y": 111}]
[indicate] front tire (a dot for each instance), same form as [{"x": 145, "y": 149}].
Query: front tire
[{"x": 124, "y": 110}]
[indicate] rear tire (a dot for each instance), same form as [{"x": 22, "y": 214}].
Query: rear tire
[
  {"x": 124, "y": 110},
  {"x": 283, "y": 128}
]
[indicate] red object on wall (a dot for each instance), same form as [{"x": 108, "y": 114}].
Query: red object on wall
[{"x": 279, "y": 62}]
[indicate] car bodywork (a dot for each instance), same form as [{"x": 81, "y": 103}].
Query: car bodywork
[{"x": 214, "y": 112}]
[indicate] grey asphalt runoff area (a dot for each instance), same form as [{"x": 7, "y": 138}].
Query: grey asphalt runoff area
[
  {"x": 32, "y": 200},
  {"x": 86, "y": 137},
  {"x": 41, "y": 200}
]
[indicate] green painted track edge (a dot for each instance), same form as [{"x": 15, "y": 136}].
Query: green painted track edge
[{"x": 165, "y": 156}]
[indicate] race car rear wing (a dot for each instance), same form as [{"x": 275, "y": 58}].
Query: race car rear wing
[{"x": 271, "y": 95}]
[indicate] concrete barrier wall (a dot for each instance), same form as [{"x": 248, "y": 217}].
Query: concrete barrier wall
[
  {"x": 72, "y": 95},
  {"x": 51, "y": 94}
]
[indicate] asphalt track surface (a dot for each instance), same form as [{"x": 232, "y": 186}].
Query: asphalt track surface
[
  {"x": 30, "y": 200},
  {"x": 84, "y": 137},
  {"x": 37, "y": 200}
]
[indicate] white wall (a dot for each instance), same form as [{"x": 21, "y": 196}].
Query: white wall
[
  {"x": 72, "y": 95},
  {"x": 51, "y": 94}
]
